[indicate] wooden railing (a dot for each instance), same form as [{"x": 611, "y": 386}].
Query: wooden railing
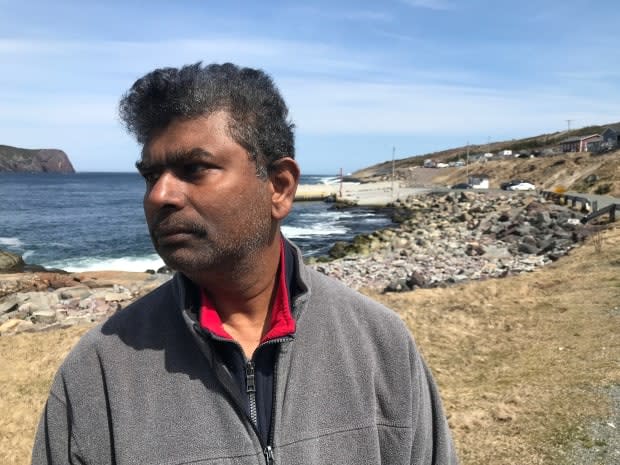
[
  {"x": 587, "y": 206},
  {"x": 608, "y": 210}
]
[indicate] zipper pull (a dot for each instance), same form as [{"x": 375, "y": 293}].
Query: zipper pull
[
  {"x": 250, "y": 378},
  {"x": 268, "y": 452}
]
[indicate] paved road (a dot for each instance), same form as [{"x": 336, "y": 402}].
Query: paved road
[{"x": 601, "y": 200}]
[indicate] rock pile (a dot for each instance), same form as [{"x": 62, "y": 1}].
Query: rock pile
[
  {"x": 454, "y": 237},
  {"x": 43, "y": 301}
]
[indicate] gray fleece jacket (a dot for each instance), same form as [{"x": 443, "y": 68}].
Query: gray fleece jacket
[{"x": 146, "y": 388}]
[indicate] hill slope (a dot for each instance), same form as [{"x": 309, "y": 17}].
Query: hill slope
[
  {"x": 14, "y": 159},
  {"x": 579, "y": 172}
]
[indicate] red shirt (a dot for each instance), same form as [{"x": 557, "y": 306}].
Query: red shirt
[{"x": 282, "y": 322}]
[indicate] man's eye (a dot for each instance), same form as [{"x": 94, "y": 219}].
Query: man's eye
[
  {"x": 150, "y": 177},
  {"x": 193, "y": 169}
]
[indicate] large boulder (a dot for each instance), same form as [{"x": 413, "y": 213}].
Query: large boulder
[{"x": 10, "y": 262}]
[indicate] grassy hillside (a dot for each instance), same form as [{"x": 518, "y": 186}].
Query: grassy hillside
[
  {"x": 580, "y": 172},
  {"x": 568, "y": 170}
]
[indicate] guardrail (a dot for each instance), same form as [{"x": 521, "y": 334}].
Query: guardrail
[
  {"x": 608, "y": 210},
  {"x": 587, "y": 206}
]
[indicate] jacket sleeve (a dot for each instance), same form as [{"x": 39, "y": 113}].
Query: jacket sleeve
[
  {"x": 54, "y": 442},
  {"x": 432, "y": 440}
]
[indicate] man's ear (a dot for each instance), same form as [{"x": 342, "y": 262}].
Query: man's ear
[{"x": 284, "y": 178}]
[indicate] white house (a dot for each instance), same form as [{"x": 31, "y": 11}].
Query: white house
[{"x": 478, "y": 181}]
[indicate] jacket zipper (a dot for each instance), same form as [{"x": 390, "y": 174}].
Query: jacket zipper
[
  {"x": 268, "y": 450},
  {"x": 250, "y": 388},
  {"x": 251, "y": 391}
]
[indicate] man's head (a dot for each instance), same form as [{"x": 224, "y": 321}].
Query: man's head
[
  {"x": 218, "y": 175},
  {"x": 257, "y": 112}
]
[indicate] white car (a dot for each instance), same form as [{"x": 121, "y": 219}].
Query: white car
[{"x": 522, "y": 186}]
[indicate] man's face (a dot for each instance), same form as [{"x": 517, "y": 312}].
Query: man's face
[{"x": 205, "y": 206}]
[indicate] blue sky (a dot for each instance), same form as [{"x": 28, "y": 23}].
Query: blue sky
[{"x": 359, "y": 76}]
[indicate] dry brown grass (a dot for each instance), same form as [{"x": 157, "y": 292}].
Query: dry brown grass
[
  {"x": 520, "y": 361},
  {"x": 566, "y": 171},
  {"x": 29, "y": 362}
]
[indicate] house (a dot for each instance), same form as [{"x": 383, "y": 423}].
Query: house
[
  {"x": 610, "y": 137},
  {"x": 430, "y": 163},
  {"x": 505, "y": 153},
  {"x": 478, "y": 181},
  {"x": 581, "y": 143}
]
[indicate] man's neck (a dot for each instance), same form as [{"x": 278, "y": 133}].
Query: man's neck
[{"x": 243, "y": 297}]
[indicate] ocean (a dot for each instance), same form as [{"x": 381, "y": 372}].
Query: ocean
[{"x": 94, "y": 221}]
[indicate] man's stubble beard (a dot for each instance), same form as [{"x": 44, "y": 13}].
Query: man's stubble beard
[{"x": 222, "y": 253}]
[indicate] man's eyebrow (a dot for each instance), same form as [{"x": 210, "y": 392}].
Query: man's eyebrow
[{"x": 174, "y": 159}]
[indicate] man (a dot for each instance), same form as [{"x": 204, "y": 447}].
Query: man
[{"x": 246, "y": 356}]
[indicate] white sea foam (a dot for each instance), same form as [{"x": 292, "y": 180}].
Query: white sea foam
[
  {"x": 150, "y": 262},
  {"x": 11, "y": 242},
  {"x": 329, "y": 214},
  {"x": 294, "y": 232}
]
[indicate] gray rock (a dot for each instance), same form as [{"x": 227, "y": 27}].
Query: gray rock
[
  {"x": 44, "y": 316},
  {"x": 38, "y": 300},
  {"x": 398, "y": 285},
  {"x": 526, "y": 248},
  {"x": 8, "y": 303},
  {"x": 416, "y": 279},
  {"x": 73, "y": 292},
  {"x": 10, "y": 262}
]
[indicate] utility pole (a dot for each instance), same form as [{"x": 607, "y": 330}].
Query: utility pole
[
  {"x": 568, "y": 121},
  {"x": 393, "y": 170},
  {"x": 467, "y": 163}
]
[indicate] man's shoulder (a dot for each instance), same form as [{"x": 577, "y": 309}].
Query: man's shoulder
[
  {"x": 332, "y": 297},
  {"x": 135, "y": 326}
]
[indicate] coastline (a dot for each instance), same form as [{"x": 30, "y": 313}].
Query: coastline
[
  {"x": 372, "y": 194},
  {"x": 440, "y": 239}
]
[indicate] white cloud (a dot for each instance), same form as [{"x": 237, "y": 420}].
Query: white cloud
[
  {"x": 367, "y": 15},
  {"x": 334, "y": 14},
  {"x": 65, "y": 93},
  {"x": 139, "y": 57},
  {"x": 371, "y": 108},
  {"x": 430, "y": 4}
]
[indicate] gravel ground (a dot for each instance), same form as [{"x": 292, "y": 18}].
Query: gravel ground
[{"x": 598, "y": 443}]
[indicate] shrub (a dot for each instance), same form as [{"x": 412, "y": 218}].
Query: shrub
[{"x": 602, "y": 189}]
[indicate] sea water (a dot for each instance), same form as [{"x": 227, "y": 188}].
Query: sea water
[{"x": 95, "y": 221}]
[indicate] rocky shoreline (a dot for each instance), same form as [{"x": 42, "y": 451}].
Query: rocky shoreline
[
  {"x": 441, "y": 239},
  {"x": 449, "y": 238}
]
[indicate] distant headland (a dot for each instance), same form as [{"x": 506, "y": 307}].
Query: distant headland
[{"x": 18, "y": 160}]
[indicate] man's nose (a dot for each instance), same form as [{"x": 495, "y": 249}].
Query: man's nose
[{"x": 167, "y": 191}]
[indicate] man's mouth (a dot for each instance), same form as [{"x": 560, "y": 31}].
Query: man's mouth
[
  {"x": 173, "y": 235},
  {"x": 168, "y": 234}
]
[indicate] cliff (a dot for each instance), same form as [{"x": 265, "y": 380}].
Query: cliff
[{"x": 14, "y": 159}]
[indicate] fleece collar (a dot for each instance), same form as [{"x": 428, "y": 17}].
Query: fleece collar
[{"x": 282, "y": 322}]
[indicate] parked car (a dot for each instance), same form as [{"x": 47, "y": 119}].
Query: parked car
[
  {"x": 506, "y": 185},
  {"x": 462, "y": 185},
  {"x": 522, "y": 186}
]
